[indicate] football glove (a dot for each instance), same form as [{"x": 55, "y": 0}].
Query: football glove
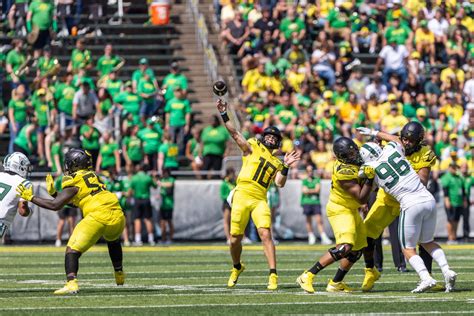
[
  {"x": 367, "y": 131},
  {"x": 50, "y": 184},
  {"x": 25, "y": 193},
  {"x": 366, "y": 172}
]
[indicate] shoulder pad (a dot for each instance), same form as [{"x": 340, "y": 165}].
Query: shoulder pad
[{"x": 68, "y": 181}]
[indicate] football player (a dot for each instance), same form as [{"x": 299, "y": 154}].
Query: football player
[
  {"x": 386, "y": 208},
  {"x": 396, "y": 177},
  {"x": 16, "y": 170},
  {"x": 102, "y": 214},
  {"x": 249, "y": 198},
  {"x": 347, "y": 194}
]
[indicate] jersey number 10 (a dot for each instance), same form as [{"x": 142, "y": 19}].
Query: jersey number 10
[
  {"x": 262, "y": 169},
  {"x": 393, "y": 169}
]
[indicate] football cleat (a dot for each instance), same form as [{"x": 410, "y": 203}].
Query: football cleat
[
  {"x": 371, "y": 275},
  {"x": 119, "y": 277},
  {"x": 305, "y": 281},
  {"x": 450, "y": 279},
  {"x": 424, "y": 285},
  {"x": 234, "y": 275},
  {"x": 71, "y": 287},
  {"x": 272, "y": 282},
  {"x": 338, "y": 287}
]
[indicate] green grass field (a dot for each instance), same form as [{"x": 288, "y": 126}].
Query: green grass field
[{"x": 191, "y": 279}]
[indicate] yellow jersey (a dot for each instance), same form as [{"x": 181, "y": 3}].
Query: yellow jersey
[
  {"x": 92, "y": 197},
  {"x": 343, "y": 172},
  {"x": 258, "y": 170},
  {"x": 424, "y": 158}
]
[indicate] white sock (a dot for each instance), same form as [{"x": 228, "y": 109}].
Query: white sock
[
  {"x": 151, "y": 238},
  {"x": 440, "y": 258},
  {"x": 417, "y": 263},
  {"x": 324, "y": 235},
  {"x": 138, "y": 237}
]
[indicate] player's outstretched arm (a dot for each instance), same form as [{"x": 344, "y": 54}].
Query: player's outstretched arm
[
  {"x": 359, "y": 192},
  {"x": 378, "y": 134},
  {"x": 63, "y": 198},
  {"x": 234, "y": 133},
  {"x": 290, "y": 160}
]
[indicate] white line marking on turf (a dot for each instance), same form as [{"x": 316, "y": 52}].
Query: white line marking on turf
[{"x": 190, "y": 305}]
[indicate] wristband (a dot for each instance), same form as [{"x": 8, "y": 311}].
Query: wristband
[
  {"x": 224, "y": 116},
  {"x": 284, "y": 171},
  {"x": 28, "y": 26},
  {"x": 55, "y": 26}
]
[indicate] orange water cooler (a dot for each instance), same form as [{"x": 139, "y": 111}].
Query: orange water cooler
[{"x": 160, "y": 12}]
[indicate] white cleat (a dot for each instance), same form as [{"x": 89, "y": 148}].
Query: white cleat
[
  {"x": 424, "y": 285},
  {"x": 450, "y": 279}
]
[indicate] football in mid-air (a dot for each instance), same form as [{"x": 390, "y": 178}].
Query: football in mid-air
[{"x": 219, "y": 88}]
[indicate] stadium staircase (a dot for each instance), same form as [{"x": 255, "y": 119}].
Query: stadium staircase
[{"x": 162, "y": 45}]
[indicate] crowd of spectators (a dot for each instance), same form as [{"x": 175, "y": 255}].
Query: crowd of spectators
[{"x": 319, "y": 69}]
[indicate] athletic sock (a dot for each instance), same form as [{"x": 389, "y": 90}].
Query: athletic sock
[
  {"x": 273, "y": 271},
  {"x": 340, "y": 274},
  {"x": 417, "y": 263},
  {"x": 238, "y": 266},
  {"x": 369, "y": 253},
  {"x": 151, "y": 238},
  {"x": 427, "y": 258},
  {"x": 440, "y": 258},
  {"x": 115, "y": 254},
  {"x": 316, "y": 268},
  {"x": 138, "y": 237},
  {"x": 71, "y": 263}
]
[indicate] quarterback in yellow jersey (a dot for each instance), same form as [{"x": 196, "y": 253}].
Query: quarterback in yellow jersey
[
  {"x": 102, "y": 214},
  {"x": 347, "y": 194},
  {"x": 386, "y": 208},
  {"x": 249, "y": 198}
]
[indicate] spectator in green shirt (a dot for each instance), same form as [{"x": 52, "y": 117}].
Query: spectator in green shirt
[
  {"x": 402, "y": 35},
  {"x": 40, "y": 18},
  {"x": 214, "y": 139},
  {"x": 15, "y": 59},
  {"x": 140, "y": 72},
  {"x": 193, "y": 151},
  {"x": 311, "y": 203},
  {"x": 64, "y": 96},
  {"x": 285, "y": 113},
  {"x": 26, "y": 141},
  {"x": 47, "y": 65},
  {"x": 90, "y": 139},
  {"x": 128, "y": 101},
  {"x": 113, "y": 84},
  {"x": 338, "y": 23},
  {"x": 227, "y": 185},
  {"x": 17, "y": 113},
  {"x": 132, "y": 147},
  {"x": 57, "y": 156},
  {"x": 166, "y": 184},
  {"x": 455, "y": 201},
  {"x": 148, "y": 93},
  {"x": 140, "y": 189},
  {"x": 109, "y": 156},
  {"x": 168, "y": 154},
  {"x": 364, "y": 32},
  {"x": 45, "y": 114},
  {"x": 151, "y": 140},
  {"x": 107, "y": 62},
  {"x": 178, "y": 117},
  {"x": 292, "y": 24},
  {"x": 80, "y": 58},
  {"x": 174, "y": 79}
]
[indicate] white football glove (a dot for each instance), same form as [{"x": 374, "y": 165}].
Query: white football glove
[{"x": 367, "y": 131}]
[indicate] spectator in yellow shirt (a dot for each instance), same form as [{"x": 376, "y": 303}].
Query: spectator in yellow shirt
[
  {"x": 391, "y": 102},
  {"x": 374, "y": 111},
  {"x": 394, "y": 122},
  {"x": 350, "y": 111},
  {"x": 452, "y": 71},
  {"x": 425, "y": 41},
  {"x": 453, "y": 158},
  {"x": 255, "y": 80},
  {"x": 452, "y": 109},
  {"x": 326, "y": 104}
]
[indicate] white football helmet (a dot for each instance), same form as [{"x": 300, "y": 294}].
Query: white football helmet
[
  {"x": 17, "y": 163},
  {"x": 370, "y": 151}
]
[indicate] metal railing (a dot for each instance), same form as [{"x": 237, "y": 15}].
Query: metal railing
[{"x": 202, "y": 39}]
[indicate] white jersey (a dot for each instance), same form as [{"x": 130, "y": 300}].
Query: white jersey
[
  {"x": 394, "y": 174},
  {"x": 9, "y": 199}
]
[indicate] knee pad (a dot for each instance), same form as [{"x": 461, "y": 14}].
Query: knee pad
[
  {"x": 353, "y": 256},
  {"x": 337, "y": 253}
]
